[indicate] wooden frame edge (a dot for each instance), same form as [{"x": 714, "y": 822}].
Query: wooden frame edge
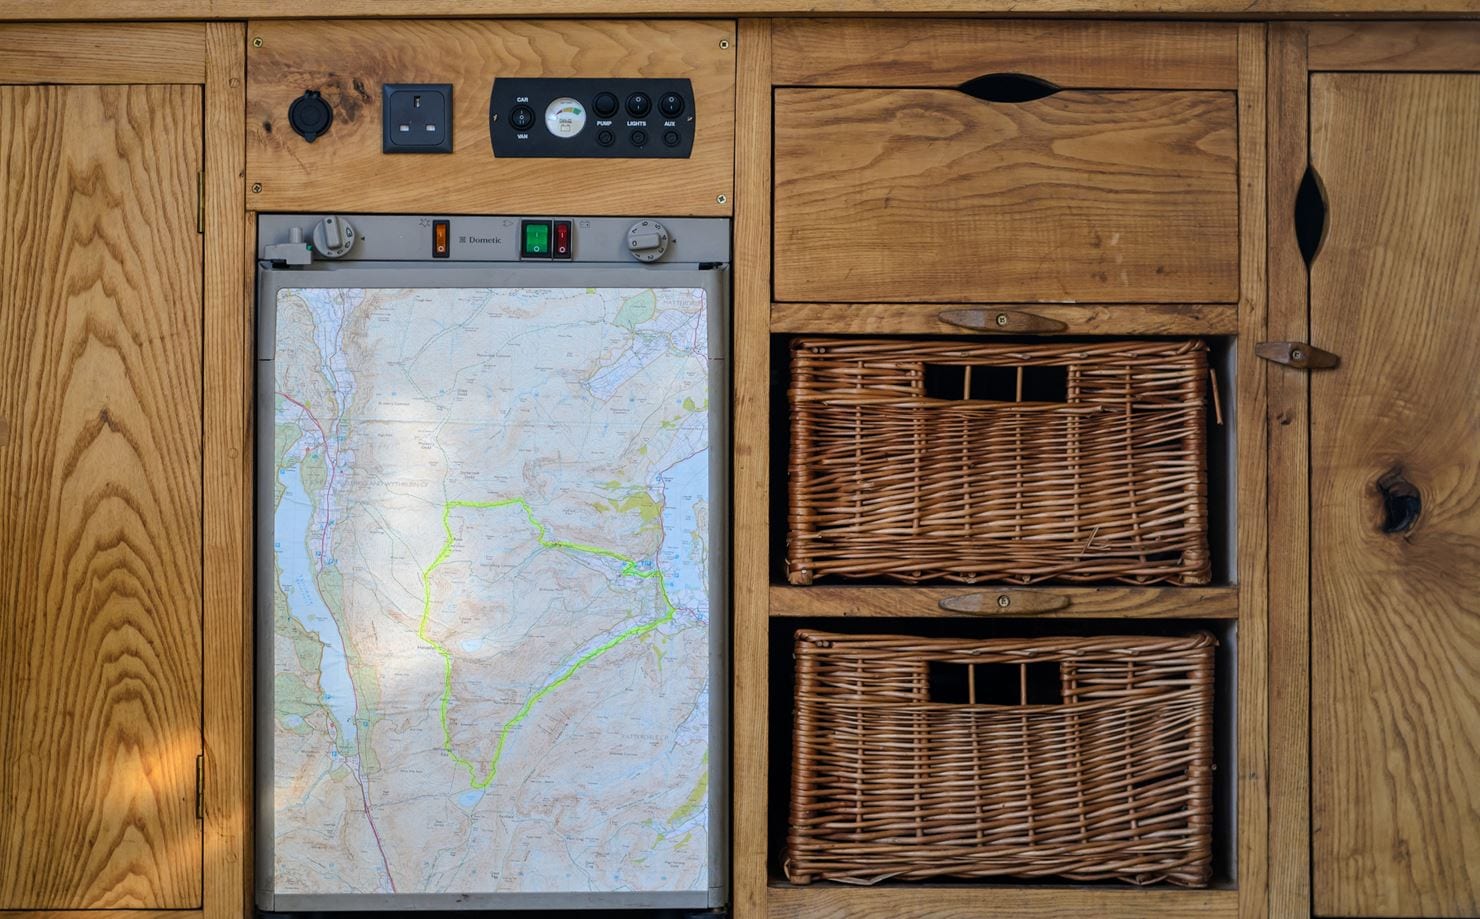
[
  {"x": 1289, "y": 493},
  {"x": 750, "y": 473},
  {"x": 226, "y": 490},
  {"x": 103, "y": 53},
  {"x": 1252, "y": 470},
  {"x": 1435, "y": 45}
]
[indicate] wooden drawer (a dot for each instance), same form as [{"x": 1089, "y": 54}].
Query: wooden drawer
[
  {"x": 933, "y": 194},
  {"x": 890, "y": 192}
]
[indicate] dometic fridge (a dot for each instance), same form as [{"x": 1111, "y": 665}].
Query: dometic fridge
[{"x": 490, "y": 568}]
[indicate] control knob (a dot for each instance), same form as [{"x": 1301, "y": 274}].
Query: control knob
[
  {"x": 333, "y": 237},
  {"x": 647, "y": 240}
]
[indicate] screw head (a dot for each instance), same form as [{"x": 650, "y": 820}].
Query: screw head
[
  {"x": 1004, "y": 601},
  {"x": 724, "y": 43},
  {"x": 1297, "y": 355},
  {"x": 256, "y": 188},
  {"x": 1002, "y": 319},
  {"x": 721, "y": 199},
  {"x": 257, "y": 42}
]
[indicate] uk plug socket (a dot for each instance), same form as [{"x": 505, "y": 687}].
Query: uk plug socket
[{"x": 416, "y": 118}]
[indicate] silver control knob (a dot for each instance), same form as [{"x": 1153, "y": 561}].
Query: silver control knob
[
  {"x": 333, "y": 237},
  {"x": 647, "y": 240}
]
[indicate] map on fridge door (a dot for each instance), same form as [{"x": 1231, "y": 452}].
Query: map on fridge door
[{"x": 491, "y": 622}]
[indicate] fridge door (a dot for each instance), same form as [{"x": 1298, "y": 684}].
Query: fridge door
[{"x": 491, "y": 587}]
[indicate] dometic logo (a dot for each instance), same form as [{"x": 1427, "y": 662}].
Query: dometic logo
[{"x": 481, "y": 240}]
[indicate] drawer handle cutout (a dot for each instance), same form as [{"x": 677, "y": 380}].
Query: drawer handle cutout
[
  {"x": 1310, "y": 215},
  {"x": 1007, "y": 87}
]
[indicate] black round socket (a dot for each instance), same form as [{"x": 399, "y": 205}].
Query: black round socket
[
  {"x": 605, "y": 137},
  {"x": 604, "y": 105},
  {"x": 639, "y": 104},
  {"x": 310, "y": 116},
  {"x": 522, "y": 117},
  {"x": 670, "y": 104},
  {"x": 671, "y": 138},
  {"x": 639, "y": 138}
]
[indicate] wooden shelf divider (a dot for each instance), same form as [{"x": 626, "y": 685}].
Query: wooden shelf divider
[
  {"x": 837, "y": 901},
  {"x": 1076, "y": 318},
  {"x": 1127, "y": 602}
]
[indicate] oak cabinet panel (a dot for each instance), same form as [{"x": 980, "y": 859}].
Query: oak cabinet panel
[
  {"x": 100, "y": 521},
  {"x": 935, "y": 195},
  {"x": 1395, "y": 501}
]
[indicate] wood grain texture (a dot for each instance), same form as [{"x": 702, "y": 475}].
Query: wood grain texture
[
  {"x": 836, "y": 901},
  {"x": 100, "y": 543},
  {"x": 1395, "y": 46},
  {"x": 1078, "y": 319},
  {"x": 1395, "y": 618},
  {"x": 228, "y": 334},
  {"x": 1289, "y": 489},
  {"x": 947, "y": 52},
  {"x": 1251, "y": 473},
  {"x": 890, "y": 195},
  {"x": 1084, "y": 602},
  {"x": 294, "y": 9},
  {"x": 349, "y": 61},
  {"x": 751, "y": 457},
  {"x": 115, "y": 52}
]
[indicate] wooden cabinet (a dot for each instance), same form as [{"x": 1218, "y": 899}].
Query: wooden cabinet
[
  {"x": 1395, "y": 497},
  {"x": 878, "y": 195},
  {"x": 100, "y": 613},
  {"x": 107, "y": 717},
  {"x": 908, "y": 194},
  {"x": 1390, "y": 700}
]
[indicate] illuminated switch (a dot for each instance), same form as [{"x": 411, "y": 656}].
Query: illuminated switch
[
  {"x": 535, "y": 239},
  {"x": 562, "y": 247},
  {"x": 441, "y": 248}
]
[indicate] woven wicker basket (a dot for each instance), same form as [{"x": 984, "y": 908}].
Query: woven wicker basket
[
  {"x": 1112, "y": 782},
  {"x": 915, "y": 460}
]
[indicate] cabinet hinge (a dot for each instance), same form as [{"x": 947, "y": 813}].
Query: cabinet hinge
[
  {"x": 1296, "y": 354},
  {"x": 200, "y": 786},
  {"x": 200, "y": 202}
]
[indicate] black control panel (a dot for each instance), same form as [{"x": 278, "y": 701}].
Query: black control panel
[{"x": 591, "y": 117}]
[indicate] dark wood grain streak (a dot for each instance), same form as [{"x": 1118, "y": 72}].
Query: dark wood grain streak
[
  {"x": 1395, "y": 622},
  {"x": 100, "y": 533},
  {"x": 933, "y": 195}
]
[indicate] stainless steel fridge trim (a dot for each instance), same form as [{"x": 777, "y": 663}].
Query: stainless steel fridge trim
[{"x": 371, "y": 275}]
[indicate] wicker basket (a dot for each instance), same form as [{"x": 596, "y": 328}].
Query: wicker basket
[
  {"x": 915, "y": 460},
  {"x": 1112, "y": 782}
]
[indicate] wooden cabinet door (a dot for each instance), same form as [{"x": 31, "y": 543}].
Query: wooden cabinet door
[
  {"x": 100, "y": 497},
  {"x": 1395, "y": 504}
]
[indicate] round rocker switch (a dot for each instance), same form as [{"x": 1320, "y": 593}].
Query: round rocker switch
[
  {"x": 639, "y": 104},
  {"x": 310, "y": 116},
  {"x": 521, "y": 118},
  {"x": 604, "y": 105},
  {"x": 670, "y": 104}
]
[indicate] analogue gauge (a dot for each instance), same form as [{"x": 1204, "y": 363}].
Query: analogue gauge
[{"x": 565, "y": 117}]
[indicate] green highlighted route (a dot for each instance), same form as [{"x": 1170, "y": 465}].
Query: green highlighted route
[{"x": 629, "y": 567}]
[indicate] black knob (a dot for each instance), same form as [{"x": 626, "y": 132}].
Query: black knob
[
  {"x": 604, "y": 105},
  {"x": 310, "y": 116},
  {"x": 638, "y": 138},
  {"x": 671, "y": 138},
  {"x": 639, "y": 104},
  {"x": 670, "y": 104},
  {"x": 522, "y": 117}
]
